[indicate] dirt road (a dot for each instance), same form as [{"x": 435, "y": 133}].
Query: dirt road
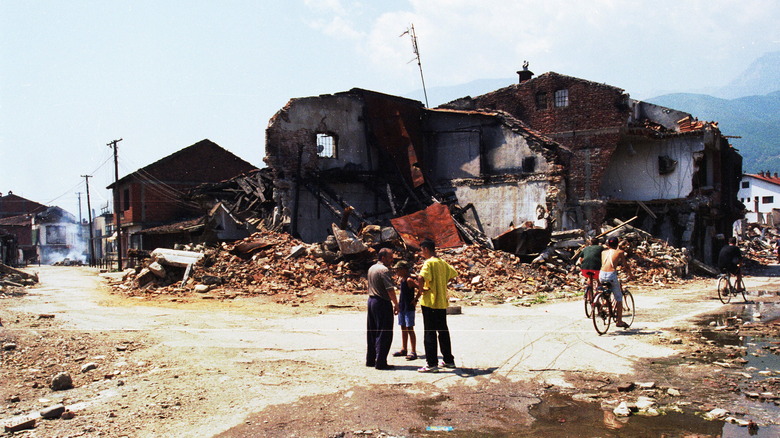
[{"x": 249, "y": 367}]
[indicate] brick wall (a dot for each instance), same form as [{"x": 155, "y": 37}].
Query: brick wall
[{"x": 590, "y": 125}]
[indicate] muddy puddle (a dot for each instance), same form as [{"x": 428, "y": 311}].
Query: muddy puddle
[{"x": 493, "y": 410}]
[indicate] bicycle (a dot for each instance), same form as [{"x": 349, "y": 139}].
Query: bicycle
[
  {"x": 726, "y": 288},
  {"x": 603, "y": 312},
  {"x": 588, "y": 295}
]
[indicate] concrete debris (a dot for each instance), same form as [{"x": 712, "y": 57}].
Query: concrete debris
[
  {"x": 13, "y": 277},
  {"x": 275, "y": 263}
]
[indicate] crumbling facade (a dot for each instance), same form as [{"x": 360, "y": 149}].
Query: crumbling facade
[
  {"x": 365, "y": 157},
  {"x": 630, "y": 158}
]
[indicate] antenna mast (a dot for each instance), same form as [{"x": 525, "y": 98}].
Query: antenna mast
[{"x": 416, "y": 51}]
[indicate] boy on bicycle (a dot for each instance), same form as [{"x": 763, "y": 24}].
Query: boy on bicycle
[
  {"x": 730, "y": 259},
  {"x": 613, "y": 258}
]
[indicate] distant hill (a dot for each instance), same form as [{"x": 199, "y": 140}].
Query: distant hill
[
  {"x": 754, "y": 118},
  {"x": 761, "y": 77}
]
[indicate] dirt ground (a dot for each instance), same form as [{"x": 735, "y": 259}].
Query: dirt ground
[{"x": 196, "y": 366}]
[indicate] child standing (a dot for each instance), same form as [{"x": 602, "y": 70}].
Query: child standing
[{"x": 407, "y": 302}]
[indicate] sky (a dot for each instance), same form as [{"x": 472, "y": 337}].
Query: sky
[{"x": 163, "y": 74}]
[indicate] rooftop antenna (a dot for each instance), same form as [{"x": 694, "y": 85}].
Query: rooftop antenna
[{"x": 416, "y": 50}]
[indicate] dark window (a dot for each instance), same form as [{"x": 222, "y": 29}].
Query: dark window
[
  {"x": 666, "y": 165},
  {"x": 55, "y": 235},
  {"x": 767, "y": 199},
  {"x": 126, "y": 200},
  {"x": 529, "y": 164},
  {"x": 745, "y": 184},
  {"x": 326, "y": 146},
  {"x": 561, "y": 98},
  {"x": 541, "y": 100}
]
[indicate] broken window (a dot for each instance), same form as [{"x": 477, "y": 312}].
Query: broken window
[
  {"x": 745, "y": 184},
  {"x": 326, "y": 145},
  {"x": 666, "y": 165},
  {"x": 561, "y": 98},
  {"x": 529, "y": 164},
  {"x": 767, "y": 199},
  {"x": 541, "y": 100}
]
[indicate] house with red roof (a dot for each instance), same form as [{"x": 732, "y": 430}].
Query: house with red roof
[{"x": 760, "y": 193}]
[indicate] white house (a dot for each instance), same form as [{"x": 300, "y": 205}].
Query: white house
[{"x": 761, "y": 194}]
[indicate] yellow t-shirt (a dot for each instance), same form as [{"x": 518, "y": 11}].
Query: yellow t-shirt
[{"x": 436, "y": 273}]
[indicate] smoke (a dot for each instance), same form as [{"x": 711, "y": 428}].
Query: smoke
[{"x": 63, "y": 240}]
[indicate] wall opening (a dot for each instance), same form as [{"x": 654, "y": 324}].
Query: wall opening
[{"x": 326, "y": 145}]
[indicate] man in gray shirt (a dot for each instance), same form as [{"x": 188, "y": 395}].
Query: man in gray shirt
[{"x": 382, "y": 305}]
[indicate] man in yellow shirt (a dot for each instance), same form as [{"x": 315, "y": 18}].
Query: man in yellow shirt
[{"x": 433, "y": 279}]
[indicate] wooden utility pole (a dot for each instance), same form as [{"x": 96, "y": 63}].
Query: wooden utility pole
[
  {"x": 89, "y": 215},
  {"x": 117, "y": 223}
]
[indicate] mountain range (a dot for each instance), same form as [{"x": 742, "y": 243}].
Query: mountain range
[{"x": 747, "y": 108}]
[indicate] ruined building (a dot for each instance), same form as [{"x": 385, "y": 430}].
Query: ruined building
[
  {"x": 365, "y": 157},
  {"x": 549, "y": 153},
  {"x": 630, "y": 158}
]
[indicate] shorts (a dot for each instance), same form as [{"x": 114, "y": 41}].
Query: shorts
[
  {"x": 406, "y": 318},
  {"x": 590, "y": 273},
  {"x": 611, "y": 276}
]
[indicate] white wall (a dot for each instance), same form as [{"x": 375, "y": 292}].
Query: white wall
[
  {"x": 633, "y": 170},
  {"x": 761, "y": 189}
]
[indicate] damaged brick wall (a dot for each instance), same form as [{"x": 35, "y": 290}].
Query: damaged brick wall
[{"x": 589, "y": 122}]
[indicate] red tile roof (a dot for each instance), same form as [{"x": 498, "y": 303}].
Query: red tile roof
[{"x": 766, "y": 177}]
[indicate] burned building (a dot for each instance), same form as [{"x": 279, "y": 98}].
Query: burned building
[
  {"x": 679, "y": 176},
  {"x": 365, "y": 157}
]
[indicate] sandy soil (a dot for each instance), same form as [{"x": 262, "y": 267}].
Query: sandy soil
[{"x": 250, "y": 367}]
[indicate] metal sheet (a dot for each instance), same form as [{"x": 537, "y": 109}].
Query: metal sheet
[{"x": 435, "y": 223}]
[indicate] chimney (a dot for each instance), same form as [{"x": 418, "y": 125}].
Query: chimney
[
  {"x": 524, "y": 74},
  {"x": 775, "y": 174}
]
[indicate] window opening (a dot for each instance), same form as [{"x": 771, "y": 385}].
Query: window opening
[
  {"x": 326, "y": 146},
  {"x": 541, "y": 100},
  {"x": 745, "y": 184},
  {"x": 561, "y": 98},
  {"x": 126, "y": 203},
  {"x": 529, "y": 164},
  {"x": 767, "y": 199}
]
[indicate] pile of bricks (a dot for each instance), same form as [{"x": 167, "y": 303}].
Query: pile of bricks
[{"x": 278, "y": 265}]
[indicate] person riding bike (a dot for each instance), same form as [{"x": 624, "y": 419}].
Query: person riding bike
[
  {"x": 613, "y": 258},
  {"x": 590, "y": 261},
  {"x": 730, "y": 261}
]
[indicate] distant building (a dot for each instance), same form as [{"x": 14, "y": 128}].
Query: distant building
[
  {"x": 761, "y": 195},
  {"x": 155, "y": 195},
  {"x": 13, "y": 205}
]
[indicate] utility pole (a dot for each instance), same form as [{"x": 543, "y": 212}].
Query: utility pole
[
  {"x": 416, "y": 51},
  {"x": 89, "y": 214},
  {"x": 117, "y": 223}
]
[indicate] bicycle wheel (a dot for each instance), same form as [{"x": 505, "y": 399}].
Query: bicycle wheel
[
  {"x": 629, "y": 308},
  {"x": 601, "y": 313},
  {"x": 723, "y": 290},
  {"x": 741, "y": 288},
  {"x": 588, "y": 300}
]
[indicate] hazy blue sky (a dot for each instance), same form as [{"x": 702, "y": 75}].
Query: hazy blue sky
[{"x": 163, "y": 75}]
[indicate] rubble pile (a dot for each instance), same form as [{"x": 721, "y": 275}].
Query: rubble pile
[
  {"x": 15, "y": 278},
  {"x": 275, "y": 263},
  {"x": 68, "y": 262},
  {"x": 758, "y": 246}
]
